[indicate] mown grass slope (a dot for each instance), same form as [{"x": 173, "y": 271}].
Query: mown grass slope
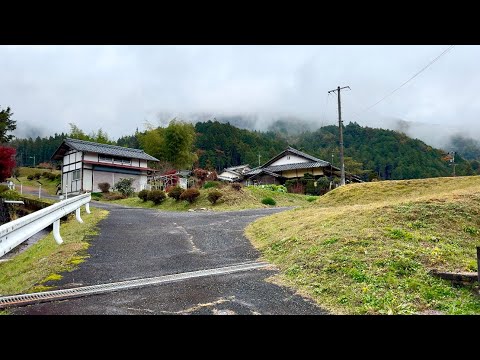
[
  {"x": 368, "y": 248},
  {"x": 50, "y": 186},
  {"x": 40, "y": 263}
]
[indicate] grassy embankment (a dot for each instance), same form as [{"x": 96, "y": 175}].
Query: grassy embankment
[
  {"x": 50, "y": 186},
  {"x": 246, "y": 198},
  {"x": 368, "y": 248},
  {"x": 43, "y": 261}
]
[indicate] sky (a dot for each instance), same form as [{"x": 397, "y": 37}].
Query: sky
[{"x": 120, "y": 88}]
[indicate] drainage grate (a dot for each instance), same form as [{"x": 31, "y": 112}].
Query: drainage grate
[{"x": 44, "y": 296}]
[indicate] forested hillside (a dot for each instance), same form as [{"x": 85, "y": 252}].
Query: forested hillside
[
  {"x": 370, "y": 153},
  {"x": 386, "y": 153}
]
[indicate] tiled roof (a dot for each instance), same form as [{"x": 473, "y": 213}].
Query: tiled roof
[
  {"x": 303, "y": 165},
  {"x": 285, "y": 167},
  {"x": 88, "y": 146}
]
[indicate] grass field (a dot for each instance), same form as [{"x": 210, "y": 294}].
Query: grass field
[
  {"x": 368, "y": 248},
  {"x": 247, "y": 198},
  {"x": 32, "y": 269},
  {"x": 50, "y": 186}
]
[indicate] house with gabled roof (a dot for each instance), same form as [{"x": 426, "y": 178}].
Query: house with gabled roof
[
  {"x": 234, "y": 173},
  {"x": 85, "y": 164},
  {"x": 290, "y": 164}
]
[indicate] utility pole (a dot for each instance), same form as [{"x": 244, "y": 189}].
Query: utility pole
[
  {"x": 452, "y": 161},
  {"x": 340, "y": 127}
]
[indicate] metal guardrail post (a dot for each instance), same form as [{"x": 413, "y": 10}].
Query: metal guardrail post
[{"x": 17, "y": 231}]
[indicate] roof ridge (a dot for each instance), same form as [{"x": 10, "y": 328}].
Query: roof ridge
[{"x": 106, "y": 145}]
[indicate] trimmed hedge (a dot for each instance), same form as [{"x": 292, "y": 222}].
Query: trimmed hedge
[
  {"x": 213, "y": 196},
  {"x": 104, "y": 187},
  {"x": 269, "y": 201},
  {"x": 175, "y": 193},
  {"x": 143, "y": 195},
  {"x": 237, "y": 186},
  {"x": 157, "y": 196},
  {"x": 190, "y": 195}
]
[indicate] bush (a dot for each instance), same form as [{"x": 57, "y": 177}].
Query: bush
[
  {"x": 3, "y": 188},
  {"x": 124, "y": 186},
  {"x": 157, "y": 196},
  {"x": 190, "y": 195},
  {"x": 273, "y": 187},
  {"x": 143, "y": 195},
  {"x": 213, "y": 196},
  {"x": 96, "y": 196},
  {"x": 237, "y": 186},
  {"x": 10, "y": 195},
  {"x": 170, "y": 188},
  {"x": 104, "y": 187},
  {"x": 311, "y": 198},
  {"x": 45, "y": 174},
  {"x": 113, "y": 196},
  {"x": 175, "y": 193},
  {"x": 37, "y": 176},
  {"x": 269, "y": 201},
  {"x": 30, "y": 177},
  {"x": 211, "y": 184}
]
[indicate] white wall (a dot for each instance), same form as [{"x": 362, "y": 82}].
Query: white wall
[
  {"x": 90, "y": 156},
  {"x": 139, "y": 181},
  {"x": 289, "y": 159}
]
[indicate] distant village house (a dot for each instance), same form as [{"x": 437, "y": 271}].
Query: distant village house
[
  {"x": 86, "y": 164},
  {"x": 289, "y": 164}
]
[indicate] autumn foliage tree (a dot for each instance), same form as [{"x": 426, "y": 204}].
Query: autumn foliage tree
[{"x": 7, "y": 162}]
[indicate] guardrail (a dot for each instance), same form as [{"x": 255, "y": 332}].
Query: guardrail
[{"x": 17, "y": 231}]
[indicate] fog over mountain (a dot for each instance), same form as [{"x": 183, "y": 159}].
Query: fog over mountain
[{"x": 120, "y": 88}]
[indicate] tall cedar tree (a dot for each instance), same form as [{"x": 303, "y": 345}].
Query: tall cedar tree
[{"x": 6, "y": 124}]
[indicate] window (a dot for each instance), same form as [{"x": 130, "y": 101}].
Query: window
[
  {"x": 76, "y": 175},
  {"x": 288, "y": 157},
  {"x": 105, "y": 158}
]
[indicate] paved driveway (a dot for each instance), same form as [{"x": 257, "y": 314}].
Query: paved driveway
[{"x": 137, "y": 243}]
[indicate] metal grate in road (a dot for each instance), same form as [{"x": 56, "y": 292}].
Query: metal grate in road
[{"x": 25, "y": 299}]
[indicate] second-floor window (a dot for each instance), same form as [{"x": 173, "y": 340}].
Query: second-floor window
[{"x": 114, "y": 159}]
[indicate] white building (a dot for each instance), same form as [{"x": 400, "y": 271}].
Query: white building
[
  {"x": 86, "y": 164},
  {"x": 234, "y": 173}
]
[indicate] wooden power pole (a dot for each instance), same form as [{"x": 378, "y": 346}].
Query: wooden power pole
[{"x": 340, "y": 128}]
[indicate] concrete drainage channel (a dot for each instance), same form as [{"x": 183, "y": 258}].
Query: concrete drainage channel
[{"x": 25, "y": 299}]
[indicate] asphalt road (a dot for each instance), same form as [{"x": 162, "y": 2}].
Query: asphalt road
[{"x": 136, "y": 243}]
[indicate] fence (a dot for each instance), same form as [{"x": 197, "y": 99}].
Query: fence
[{"x": 17, "y": 231}]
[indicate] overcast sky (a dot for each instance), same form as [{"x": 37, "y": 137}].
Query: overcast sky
[{"x": 118, "y": 88}]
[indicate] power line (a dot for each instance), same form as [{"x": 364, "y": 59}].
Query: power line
[{"x": 406, "y": 82}]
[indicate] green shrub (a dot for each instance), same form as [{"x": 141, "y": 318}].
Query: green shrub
[
  {"x": 37, "y": 176},
  {"x": 273, "y": 187},
  {"x": 30, "y": 177},
  {"x": 96, "y": 195},
  {"x": 124, "y": 186},
  {"x": 269, "y": 201},
  {"x": 143, "y": 195},
  {"x": 3, "y": 188},
  {"x": 175, "y": 193},
  {"x": 237, "y": 186},
  {"x": 104, "y": 187},
  {"x": 190, "y": 195},
  {"x": 113, "y": 196},
  {"x": 311, "y": 198},
  {"x": 10, "y": 195},
  {"x": 213, "y": 196},
  {"x": 211, "y": 184},
  {"x": 157, "y": 196},
  {"x": 46, "y": 174}
]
